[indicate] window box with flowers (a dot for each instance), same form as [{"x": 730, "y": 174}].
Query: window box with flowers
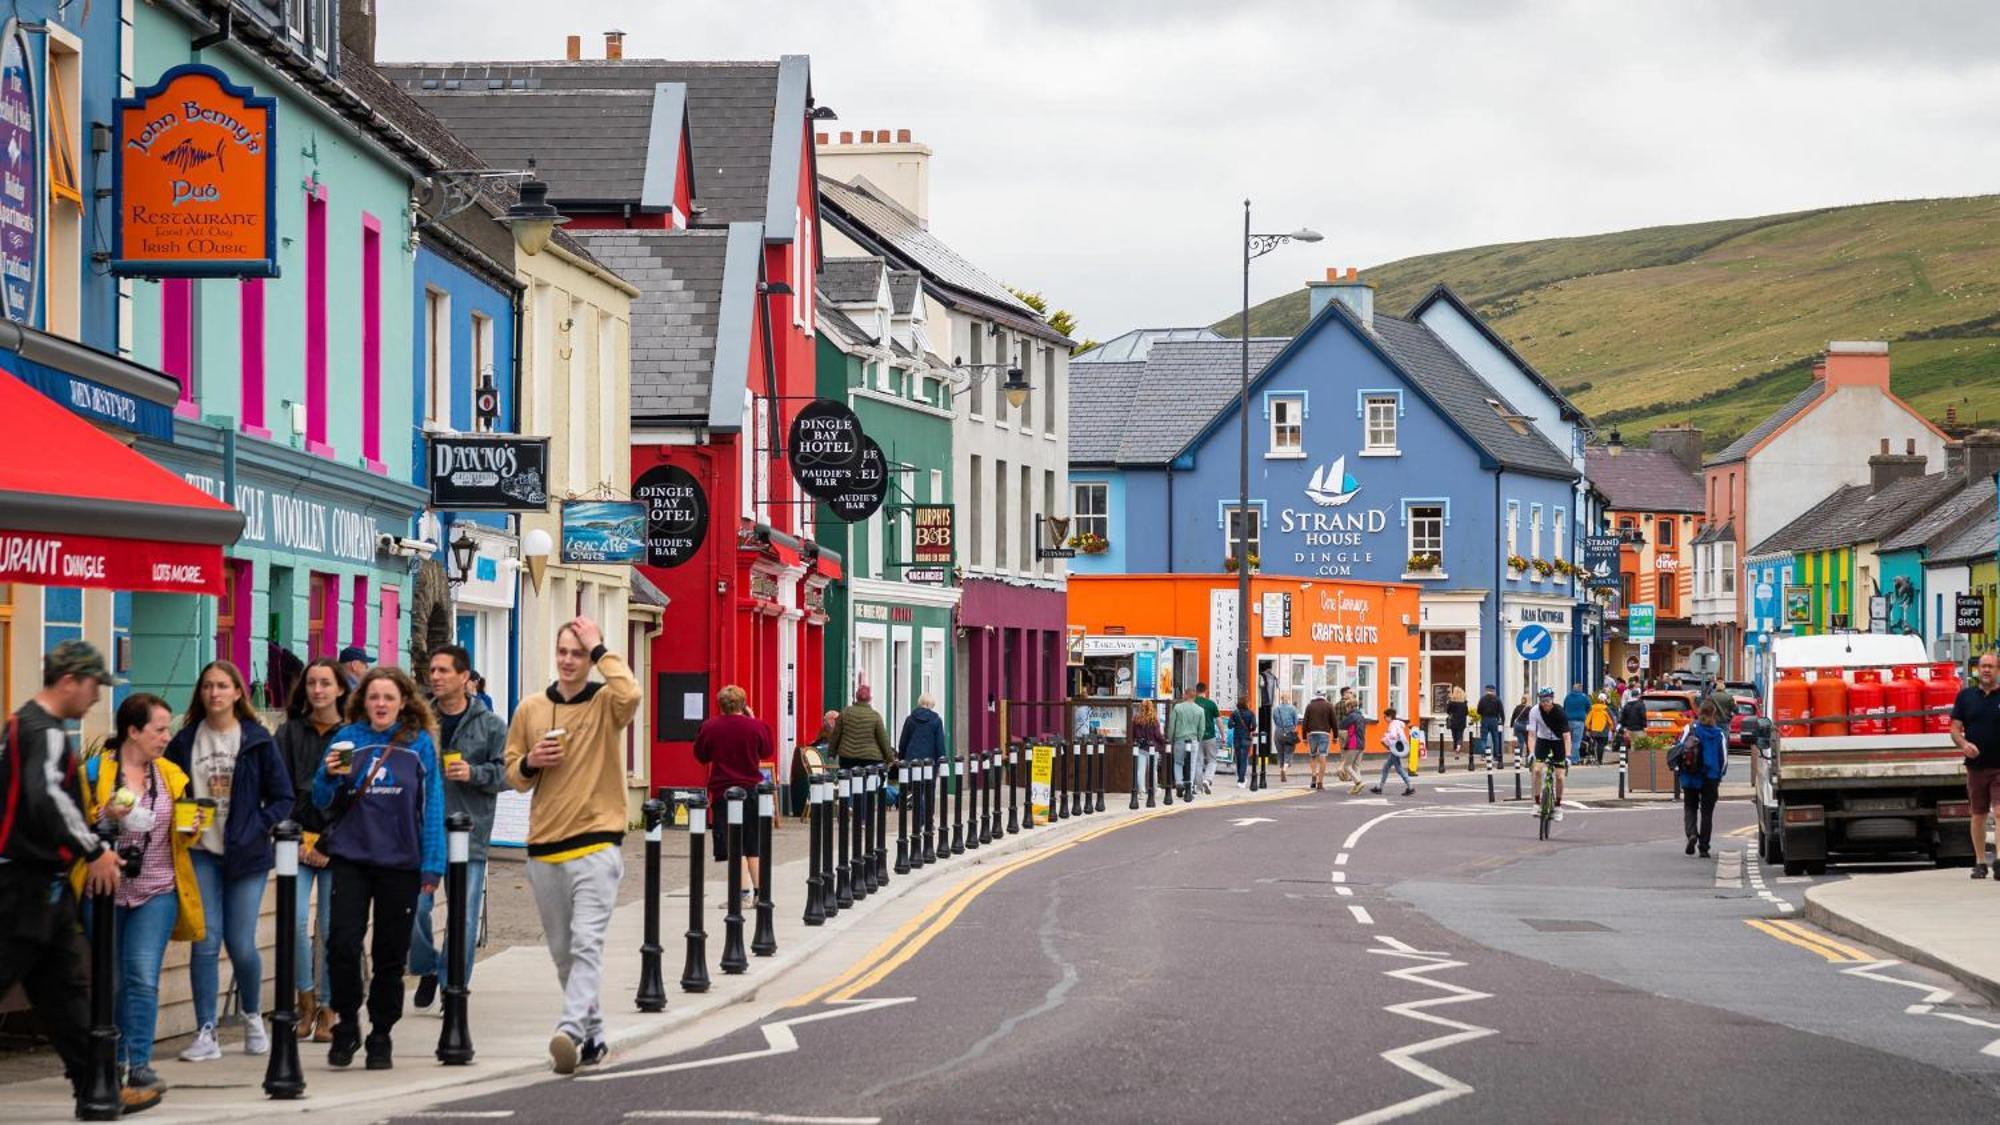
[
  {"x": 1089, "y": 543},
  {"x": 1542, "y": 568},
  {"x": 1229, "y": 564},
  {"x": 1423, "y": 564},
  {"x": 1515, "y": 565}
]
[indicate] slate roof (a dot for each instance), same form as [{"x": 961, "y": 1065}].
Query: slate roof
[
  {"x": 1943, "y": 521},
  {"x": 1740, "y": 448},
  {"x": 1186, "y": 384},
  {"x": 674, "y": 319},
  {"x": 594, "y": 117},
  {"x": 1445, "y": 293},
  {"x": 842, "y": 327},
  {"x": 1716, "y": 532},
  {"x": 903, "y": 288},
  {"x": 1979, "y": 541},
  {"x": 1643, "y": 480},
  {"x": 1135, "y": 344},
  {"x": 1100, "y": 410},
  {"x": 1464, "y": 396},
  {"x": 1801, "y": 533},
  {"x": 851, "y": 281},
  {"x": 1855, "y": 514}
]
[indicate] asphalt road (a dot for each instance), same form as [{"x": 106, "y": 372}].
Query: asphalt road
[{"x": 1322, "y": 958}]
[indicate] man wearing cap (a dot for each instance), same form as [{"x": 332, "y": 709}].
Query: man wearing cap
[
  {"x": 42, "y": 832},
  {"x": 354, "y": 664},
  {"x": 1492, "y": 718}
]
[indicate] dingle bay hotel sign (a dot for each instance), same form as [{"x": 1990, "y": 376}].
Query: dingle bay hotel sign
[{"x": 194, "y": 174}]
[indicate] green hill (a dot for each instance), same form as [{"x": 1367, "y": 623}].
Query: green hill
[{"x": 1717, "y": 323}]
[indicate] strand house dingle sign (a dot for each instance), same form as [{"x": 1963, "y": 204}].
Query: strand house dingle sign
[
  {"x": 676, "y": 514},
  {"x": 482, "y": 473},
  {"x": 194, "y": 174},
  {"x": 824, "y": 448}
]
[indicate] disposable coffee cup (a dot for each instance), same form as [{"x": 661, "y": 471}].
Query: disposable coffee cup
[
  {"x": 556, "y": 733},
  {"x": 184, "y": 816},
  {"x": 207, "y": 807},
  {"x": 452, "y": 758},
  {"x": 346, "y": 752}
]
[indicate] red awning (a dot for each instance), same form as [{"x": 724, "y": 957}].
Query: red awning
[
  {"x": 827, "y": 563},
  {"x": 80, "y": 508}
]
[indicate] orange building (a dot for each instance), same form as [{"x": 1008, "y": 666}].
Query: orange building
[{"x": 1311, "y": 633}]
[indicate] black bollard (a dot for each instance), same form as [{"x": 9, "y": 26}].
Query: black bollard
[
  {"x": 861, "y": 876},
  {"x": 455, "y": 1037},
  {"x": 1621, "y": 768},
  {"x": 829, "y": 880},
  {"x": 815, "y": 889},
  {"x": 1059, "y": 809},
  {"x": 996, "y": 773},
  {"x": 923, "y": 840},
  {"x": 1152, "y": 774},
  {"x": 975, "y": 773},
  {"x": 881, "y": 802},
  {"x": 694, "y": 974},
  {"x": 283, "y": 1080},
  {"x": 1173, "y": 778},
  {"x": 1489, "y": 787},
  {"x": 903, "y": 795},
  {"x": 733, "y": 959},
  {"x": 652, "y": 994},
  {"x": 957, "y": 805},
  {"x": 843, "y": 870},
  {"x": 1013, "y": 788},
  {"x": 986, "y": 796},
  {"x": 1103, "y": 773},
  {"x": 1517, "y": 774},
  {"x": 1138, "y": 763},
  {"x": 764, "y": 940}
]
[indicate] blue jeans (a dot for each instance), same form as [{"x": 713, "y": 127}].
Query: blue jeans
[
  {"x": 142, "y": 934},
  {"x": 230, "y": 907},
  {"x": 1394, "y": 762},
  {"x": 426, "y": 959},
  {"x": 1489, "y": 741},
  {"x": 315, "y": 921}
]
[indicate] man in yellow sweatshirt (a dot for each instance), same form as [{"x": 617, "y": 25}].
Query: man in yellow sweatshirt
[{"x": 565, "y": 746}]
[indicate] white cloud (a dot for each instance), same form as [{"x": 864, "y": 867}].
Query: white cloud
[{"x": 1100, "y": 151}]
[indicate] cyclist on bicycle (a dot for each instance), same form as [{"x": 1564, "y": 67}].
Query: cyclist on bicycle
[{"x": 1549, "y": 728}]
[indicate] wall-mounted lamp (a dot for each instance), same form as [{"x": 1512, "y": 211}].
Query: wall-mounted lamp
[{"x": 463, "y": 551}]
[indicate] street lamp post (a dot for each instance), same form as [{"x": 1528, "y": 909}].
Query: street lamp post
[{"x": 1254, "y": 246}]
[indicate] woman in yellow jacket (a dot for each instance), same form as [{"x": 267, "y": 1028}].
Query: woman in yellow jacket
[
  {"x": 132, "y": 786},
  {"x": 1597, "y": 728}
]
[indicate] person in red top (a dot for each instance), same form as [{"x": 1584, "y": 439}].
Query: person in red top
[{"x": 733, "y": 745}]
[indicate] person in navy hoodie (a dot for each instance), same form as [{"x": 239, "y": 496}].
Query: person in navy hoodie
[
  {"x": 232, "y": 760},
  {"x": 381, "y": 787},
  {"x": 1704, "y": 762}
]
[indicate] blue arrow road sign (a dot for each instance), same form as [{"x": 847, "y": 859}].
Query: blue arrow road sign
[{"x": 1533, "y": 642}]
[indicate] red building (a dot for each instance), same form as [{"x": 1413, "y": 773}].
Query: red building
[{"x": 696, "y": 183}]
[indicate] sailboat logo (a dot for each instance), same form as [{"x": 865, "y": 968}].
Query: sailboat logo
[
  {"x": 1331, "y": 486},
  {"x": 1601, "y": 570}
]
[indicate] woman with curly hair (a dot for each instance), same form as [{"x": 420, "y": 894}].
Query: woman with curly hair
[{"x": 384, "y": 799}]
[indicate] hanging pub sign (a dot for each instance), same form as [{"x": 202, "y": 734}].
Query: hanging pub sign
[
  {"x": 870, "y": 483},
  {"x": 486, "y": 473},
  {"x": 676, "y": 514},
  {"x": 194, "y": 178},
  {"x": 20, "y": 178},
  {"x": 1600, "y": 562},
  {"x": 934, "y": 539},
  {"x": 603, "y": 531},
  {"x": 824, "y": 448}
]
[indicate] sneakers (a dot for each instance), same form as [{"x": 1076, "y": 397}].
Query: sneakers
[
  {"x": 1559, "y": 814},
  {"x": 1979, "y": 871},
  {"x": 1690, "y": 850},
  {"x": 1704, "y": 853},
  {"x": 380, "y": 1051},
  {"x": 205, "y": 1048},
  {"x": 565, "y": 1052},
  {"x": 427, "y": 991},
  {"x": 138, "y": 1099},
  {"x": 1371, "y": 788},
  {"x": 1207, "y": 788},
  {"x": 346, "y": 1041},
  {"x": 594, "y": 1053},
  {"x": 256, "y": 1041},
  {"x": 1356, "y": 788},
  {"x": 143, "y": 1076},
  {"x": 1242, "y": 785},
  {"x": 1410, "y": 791}
]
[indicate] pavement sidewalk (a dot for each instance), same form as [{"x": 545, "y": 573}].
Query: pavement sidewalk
[
  {"x": 515, "y": 1001},
  {"x": 1939, "y": 919}
]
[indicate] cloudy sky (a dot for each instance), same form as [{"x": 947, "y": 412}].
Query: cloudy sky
[{"x": 1100, "y": 150}]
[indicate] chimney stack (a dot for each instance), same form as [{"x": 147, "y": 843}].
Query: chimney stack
[
  {"x": 890, "y": 159},
  {"x": 1857, "y": 363},
  {"x": 573, "y": 48},
  {"x": 1886, "y": 468},
  {"x": 867, "y": 136},
  {"x": 1982, "y": 454},
  {"x": 357, "y": 28},
  {"x": 1819, "y": 369},
  {"x": 1684, "y": 442},
  {"x": 1348, "y": 289},
  {"x": 614, "y": 44}
]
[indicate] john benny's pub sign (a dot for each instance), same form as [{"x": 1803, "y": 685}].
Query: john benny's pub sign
[{"x": 1334, "y": 535}]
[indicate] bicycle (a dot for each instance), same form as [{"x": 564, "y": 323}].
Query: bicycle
[{"x": 1545, "y": 801}]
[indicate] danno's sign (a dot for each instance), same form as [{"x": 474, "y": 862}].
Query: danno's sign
[
  {"x": 194, "y": 178},
  {"x": 487, "y": 473}
]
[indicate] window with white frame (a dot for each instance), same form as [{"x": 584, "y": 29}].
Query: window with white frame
[
  {"x": 1090, "y": 505},
  {"x": 1513, "y": 527},
  {"x": 482, "y": 354},
  {"x": 1558, "y": 531},
  {"x": 1364, "y": 686},
  {"x": 975, "y": 357},
  {"x": 1701, "y": 565},
  {"x": 1534, "y": 531},
  {"x": 1049, "y": 391},
  {"x": 1728, "y": 554},
  {"x": 1287, "y": 414},
  {"x": 1427, "y": 533},
  {"x": 1246, "y": 525},
  {"x": 1000, "y": 528},
  {"x": 1399, "y": 687},
  {"x": 1336, "y": 674},
  {"x": 1379, "y": 433},
  {"x": 437, "y": 359}
]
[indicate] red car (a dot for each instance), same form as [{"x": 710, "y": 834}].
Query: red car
[{"x": 1746, "y": 708}]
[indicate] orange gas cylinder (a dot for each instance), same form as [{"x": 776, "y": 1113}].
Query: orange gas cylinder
[
  {"x": 1829, "y": 703},
  {"x": 1906, "y": 695},
  {"x": 1791, "y": 699},
  {"x": 1866, "y": 700},
  {"x": 1940, "y": 692}
]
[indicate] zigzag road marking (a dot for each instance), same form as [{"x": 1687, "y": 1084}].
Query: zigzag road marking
[
  {"x": 1405, "y": 1057},
  {"x": 1928, "y": 1005},
  {"x": 778, "y": 1040}
]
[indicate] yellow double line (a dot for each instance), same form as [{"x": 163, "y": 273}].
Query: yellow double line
[
  {"x": 910, "y": 938},
  {"x": 1791, "y": 933}
]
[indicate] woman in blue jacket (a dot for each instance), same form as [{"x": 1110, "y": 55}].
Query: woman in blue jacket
[
  {"x": 232, "y": 760},
  {"x": 921, "y": 740},
  {"x": 1705, "y": 759},
  {"x": 380, "y": 785}
]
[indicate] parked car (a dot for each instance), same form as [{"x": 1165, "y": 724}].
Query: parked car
[
  {"x": 1747, "y": 707},
  {"x": 1668, "y": 712}
]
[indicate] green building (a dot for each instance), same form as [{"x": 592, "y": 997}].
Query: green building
[{"x": 890, "y": 623}]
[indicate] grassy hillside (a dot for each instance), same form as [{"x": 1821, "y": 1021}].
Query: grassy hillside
[{"x": 1716, "y": 323}]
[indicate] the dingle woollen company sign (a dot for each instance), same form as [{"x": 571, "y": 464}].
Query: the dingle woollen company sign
[{"x": 194, "y": 173}]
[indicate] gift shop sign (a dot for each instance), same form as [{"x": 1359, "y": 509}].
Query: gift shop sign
[{"x": 194, "y": 177}]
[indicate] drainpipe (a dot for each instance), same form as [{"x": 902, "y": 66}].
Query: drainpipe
[
  {"x": 1499, "y": 613},
  {"x": 1170, "y": 517}
]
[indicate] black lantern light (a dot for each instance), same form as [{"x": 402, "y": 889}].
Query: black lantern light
[{"x": 463, "y": 549}]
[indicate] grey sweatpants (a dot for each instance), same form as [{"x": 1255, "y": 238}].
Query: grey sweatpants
[{"x": 575, "y": 899}]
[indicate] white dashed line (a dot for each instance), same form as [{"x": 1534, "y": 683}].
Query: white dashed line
[
  {"x": 1361, "y": 915},
  {"x": 1340, "y": 876},
  {"x": 1755, "y": 870},
  {"x": 1340, "y": 860},
  {"x": 1343, "y": 891}
]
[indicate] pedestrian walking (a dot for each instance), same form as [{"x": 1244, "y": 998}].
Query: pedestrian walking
[
  {"x": 480, "y": 693},
  {"x": 1147, "y": 738},
  {"x": 922, "y": 740},
  {"x": 354, "y": 664},
  {"x": 1519, "y": 721},
  {"x": 1631, "y": 717},
  {"x": 234, "y": 762},
  {"x": 1211, "y": 716},
  {"x": 1243, "y": 737},
  {"x": 1597, "y": 724},
  {"x": 1576, "y": 708},
  {"x": 1395, "y": 740},
  {"x": 383, "y": 794},
  {"x": 1318, "y": 723},
  {"x": 566, "y": 745},
  {"x": 860, "y": 737},
  {"x": 1492, "y": 717},
  {"x": 1184, "y": 727},
  {"x": 734, "y": 747},
  {"x": 472, "y": 758},
  {"x": 1456, "y": 712},
  {"x": 43, "y": 831},
  {"x": 1975, "y": 726},
  {"x": 130, "y": 786},
  {"x": 1704, "y": 761},
  {"x": 315, "y": 711},
  {"x": 1284, "y": 735}
]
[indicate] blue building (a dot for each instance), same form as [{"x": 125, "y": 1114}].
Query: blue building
[{"x": 1378, "y": 452}]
